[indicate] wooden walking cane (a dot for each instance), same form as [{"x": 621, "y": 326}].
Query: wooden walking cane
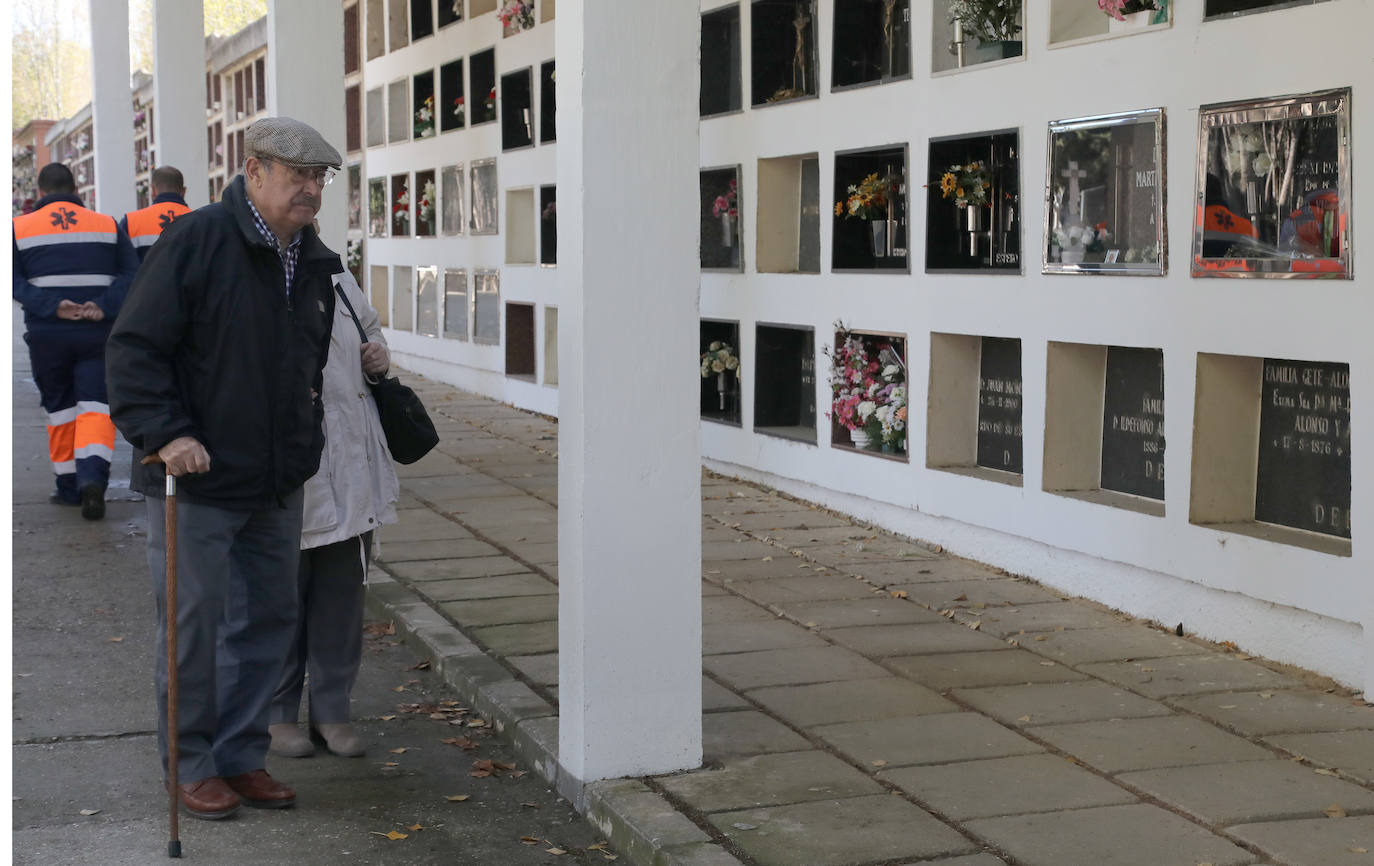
[{"x": 171, "y": 608}]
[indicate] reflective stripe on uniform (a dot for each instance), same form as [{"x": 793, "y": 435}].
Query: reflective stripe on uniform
[
  {"x": 66, "y": 467},
  {"x": 71, "y": 280},
  {"x": 95, "y": 450},
  {"x": 144, "y": 240},
  {"x": 69, "y": 237},
  {"x": 84, "y": 406},
  {"x": 62, "y": 416}
]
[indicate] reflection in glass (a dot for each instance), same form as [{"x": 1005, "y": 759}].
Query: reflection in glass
[
  {"x": 400, "y": 205},
  {"x": 487, "y": 308},
  {"x": 451, "y": 200},
  {"x": 376, "y": 118},
  {"x": 484, "y": 206},
  {"x": 1106, "y": 195},
  {"x": 426, "y": 201},
  {"x": 719, "y": 215},
  {"x": 402, "y": 294},
  {"x": 969, "y": 32},
  {"x": 355, "y": 197},
  {"x": 398, "y": 111},
  {"x": 784, "y": 50},
  {"x": 456, "y": 304},
  {"x": 378, "y": 213},
  {"x": 1274, "y": 187},
  {"x": 427, "y": 301}
]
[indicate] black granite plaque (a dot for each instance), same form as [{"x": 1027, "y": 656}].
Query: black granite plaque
[
  {"x": 999, "y": 404},
  {"x": 720, "y": 62},
  {"x": 1303, "y": 479},
  {"x": 785, "y": 382},
  {"x": 1133, "y": 422}
]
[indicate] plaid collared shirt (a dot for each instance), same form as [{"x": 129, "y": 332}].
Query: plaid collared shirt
[{"x": 289, "y": 256}]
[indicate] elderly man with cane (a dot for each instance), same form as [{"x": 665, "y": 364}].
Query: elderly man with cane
[{"x": 214, "y": 366}]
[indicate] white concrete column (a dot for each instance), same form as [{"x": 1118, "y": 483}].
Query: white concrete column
[
  {"x": 112, "y": 108},
  {"x": 629, "y": 451},
  {"x": 179, "y": 93},
  {"x": 305, "y": 80}
]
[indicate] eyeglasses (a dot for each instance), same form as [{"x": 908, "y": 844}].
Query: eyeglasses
[{"x": 321, "y": 175}]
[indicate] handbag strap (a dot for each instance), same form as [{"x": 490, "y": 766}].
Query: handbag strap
[{"x": 361, "y": 333}]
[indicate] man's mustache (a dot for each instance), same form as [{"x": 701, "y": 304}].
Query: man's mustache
[{"x": 308, "y": 200}]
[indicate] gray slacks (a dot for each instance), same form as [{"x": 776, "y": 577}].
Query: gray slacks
[
  {"x": 236, "y": 600},
  {"x": 328, "y": 639}
]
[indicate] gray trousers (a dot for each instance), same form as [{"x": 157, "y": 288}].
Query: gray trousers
[
  {"x": 236, "y": 600},
  {"x": 329, "y": 632}
]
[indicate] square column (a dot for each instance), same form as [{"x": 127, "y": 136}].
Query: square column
[
  {"x": 112, "y": 112},
  {"x": 179, "y": 93},
  {"x": 629, "y": 456},
  {"x": 305, "y": 80}
]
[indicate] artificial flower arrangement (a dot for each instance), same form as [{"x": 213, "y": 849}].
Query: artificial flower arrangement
[
  {"x": 869, "y": 198},
  {"x": 868, "y": 389},
  {"x": 988, "y": 20},
  {"x": 725, "y": 203},
  {"x": 490, "y": 105},
  {"x": 1119, "y": 9},
  {"x": 355, "y": 255},
  {"x": 516, "y": 15},
  {"x": 424, "y": 118},
  {"x": 967, "y": 184},
  {"x": 400, "y": 212},
  {"x": 718, "y": 358},
  {"x": 426, "y": 204},
  {"x": 1088, "y": 238},
  {"x": 460, "y": 109}
]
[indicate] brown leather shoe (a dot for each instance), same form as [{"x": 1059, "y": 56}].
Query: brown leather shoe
[
  {"x": 209, "y": 799},
  {"x": 261, "y": 791}
]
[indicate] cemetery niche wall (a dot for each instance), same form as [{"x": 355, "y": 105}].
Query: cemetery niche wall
[
  {"x": 426, "y": 205},
  {"x": 1074, "y": 20},
  {"x": 453, "y": 102},
  {"x": 868, "y": 392},
  {"x": 482, "y": 66},
  {"x": 457, "y": 304},
  {"x": 720, "y": 62},
  {"x": 484, "y": 197},
  {"x": 1231, "y": 8},
  {"x": 785, "y": 382},
  {"x": 517, "y": 110},
  {"x": 967, "y": 33},
  {"x": 973, "y": 204},
  {"x": 548, "y": 102},
  {"x": 719, "y": 210},
  {"x": 872, "y": 42},
  {"x": 1273, "y": 187},
  {"x": 974, "y": 407},
  {"x": 548, "y": 225},
  {"x": 1104, "y": 209}
]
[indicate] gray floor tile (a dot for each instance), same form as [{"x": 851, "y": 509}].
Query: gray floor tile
[
  {"x": 1059, "y": 703},
  {"x": 790, "y": 667},
  {"x": 1047, "y": 616},
  {"x": 993, "y": 591},
  {"x": 974, "y": 669},
  {"x": 770, "y": 780},
  {"x": 859, "y": 700},
  {"x": 1122, "y": 745},
  {"x": 883, "y": 641},
  {"x": 1113, "y": 643},
  {"x": 874, "y": 610},
  {"x": 1247, "y": 792},
  {"x": 934, "y": 739},
  {"x": 1282, "y": 712},
  {"x": 751, "y": 636},
  {"x": 796, "y": 589},
  {"x": 1007, "y": 786},
  {"x": 746, "y": 732},
  {"x": 1351, "y": 752},
  {"x": 1191, "y": 674},
  {"x": 1313, "y": 842}
]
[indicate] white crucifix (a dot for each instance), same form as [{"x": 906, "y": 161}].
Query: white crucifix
[{"x": 1073, "y": 173}]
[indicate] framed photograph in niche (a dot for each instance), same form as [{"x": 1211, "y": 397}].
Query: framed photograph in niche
[
  {"x": 451, "y": 213},
  {"x": 378, "y": 208},
  {"x": 456, "y": 303},
  {"x": 427, "y": 301},
  {"x": 426, "y": 205},
  {"x": 868, "y": 391},
  {"x": 482, "y": 68},
  {"x": 966, "y": 33},
  {"x": 450, "y": 12},
  {"x": 719, "y": 211},
  {"x": 452, "y": 100},
  {"x": 1075, "y": 21},
  {"x": 355, "y": 197},
  {"x": 517, "y": 110},
  {"x": 720, "y": 62},
  {"x": 402, "y": 297},
  {"x": 484, "y": 201},
  {"x": 400, "y": 205},
  {"x": 376, "y": 117},
  {"x": 548, "y": 225},
  {"x": 1232, "y": 8},
  {"x": 548, "y": 102},
  {"x": 486, "y": 307},
  {"x": 398, "y": 111},
  {"x": 422, "y": 105},
  {"x": 783, "y": 49},
  {"x": 973, "y": 204},
  {"x": 720, "y": 388},
  {"x": 422, "y": 18},
  {"x": 869, "y": 229},
  {"x": 1273, "y": 188},
  {"x": 1104, "y": 209},
  {"x": 872, "y": 42}
]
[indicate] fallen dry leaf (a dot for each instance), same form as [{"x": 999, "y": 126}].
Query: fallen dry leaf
[
  {"x": 768, "y": 559},
  {"x": 399, "y": 751},
  {"x": 529, "y": 840},
  {"x": 458, "y": 798},
  {"x": 422, "y": 666},
  {"x": 90, "y": 812},
  {"x": 899, "y": 593},
  {"x": 415, "y": 827},
  {"x": 116, "y": 639},
  {"x": 1322, "y": 771},
  {"x": 879, "y": 763},
  {"x": 476, "y": 723},
  {"x": 555, "y": 851},
  {"x": 1023, "y": 718},
  {"x": 1042, "y": 637},
  {"x": 391, "y": 764},
  {"x": 387, "y": 718},
  {"x": 530, "y": 805},
  {"x": 1358, "y": 850},
  {"x": 375, "y": 629},
  {"x": 393, "y": 835},
  {"x": 960, "y": 597},
  {"x": 1266, "y": 695},
  {"x": 461, "y": 742},
  {"x": 398, "y": 688},
  {"x": 1334, "y": 811}
]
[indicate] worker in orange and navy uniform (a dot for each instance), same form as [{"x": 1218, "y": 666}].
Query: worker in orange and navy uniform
[
  {"x": 72, "y": 268},
  {"x": 145, "y": 225}
]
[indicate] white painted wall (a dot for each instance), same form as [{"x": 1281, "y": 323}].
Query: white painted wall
[
  {"x": 179, "y": 93},
  {"x": 113, "y": 140},
  {"x": 1280, "y": 601}
]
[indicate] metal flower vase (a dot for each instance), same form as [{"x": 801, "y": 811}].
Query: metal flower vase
[
  {"x": 728, "y": 225},
  {"x": 884, "y": 237},
  {"x": 721, "y": 389}
]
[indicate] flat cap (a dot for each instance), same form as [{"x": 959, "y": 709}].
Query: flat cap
[{"x": 286, "y": 140}]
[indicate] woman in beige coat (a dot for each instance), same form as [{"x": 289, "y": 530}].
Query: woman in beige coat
[{"x": 354, "y": 492}]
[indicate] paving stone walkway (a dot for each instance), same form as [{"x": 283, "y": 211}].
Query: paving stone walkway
[{"x": 869, "y": 700}]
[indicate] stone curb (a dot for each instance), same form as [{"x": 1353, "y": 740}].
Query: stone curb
[{"x": 640, "y": 823}]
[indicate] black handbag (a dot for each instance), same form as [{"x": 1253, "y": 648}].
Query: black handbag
[{"x": 410, "y": 434}]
